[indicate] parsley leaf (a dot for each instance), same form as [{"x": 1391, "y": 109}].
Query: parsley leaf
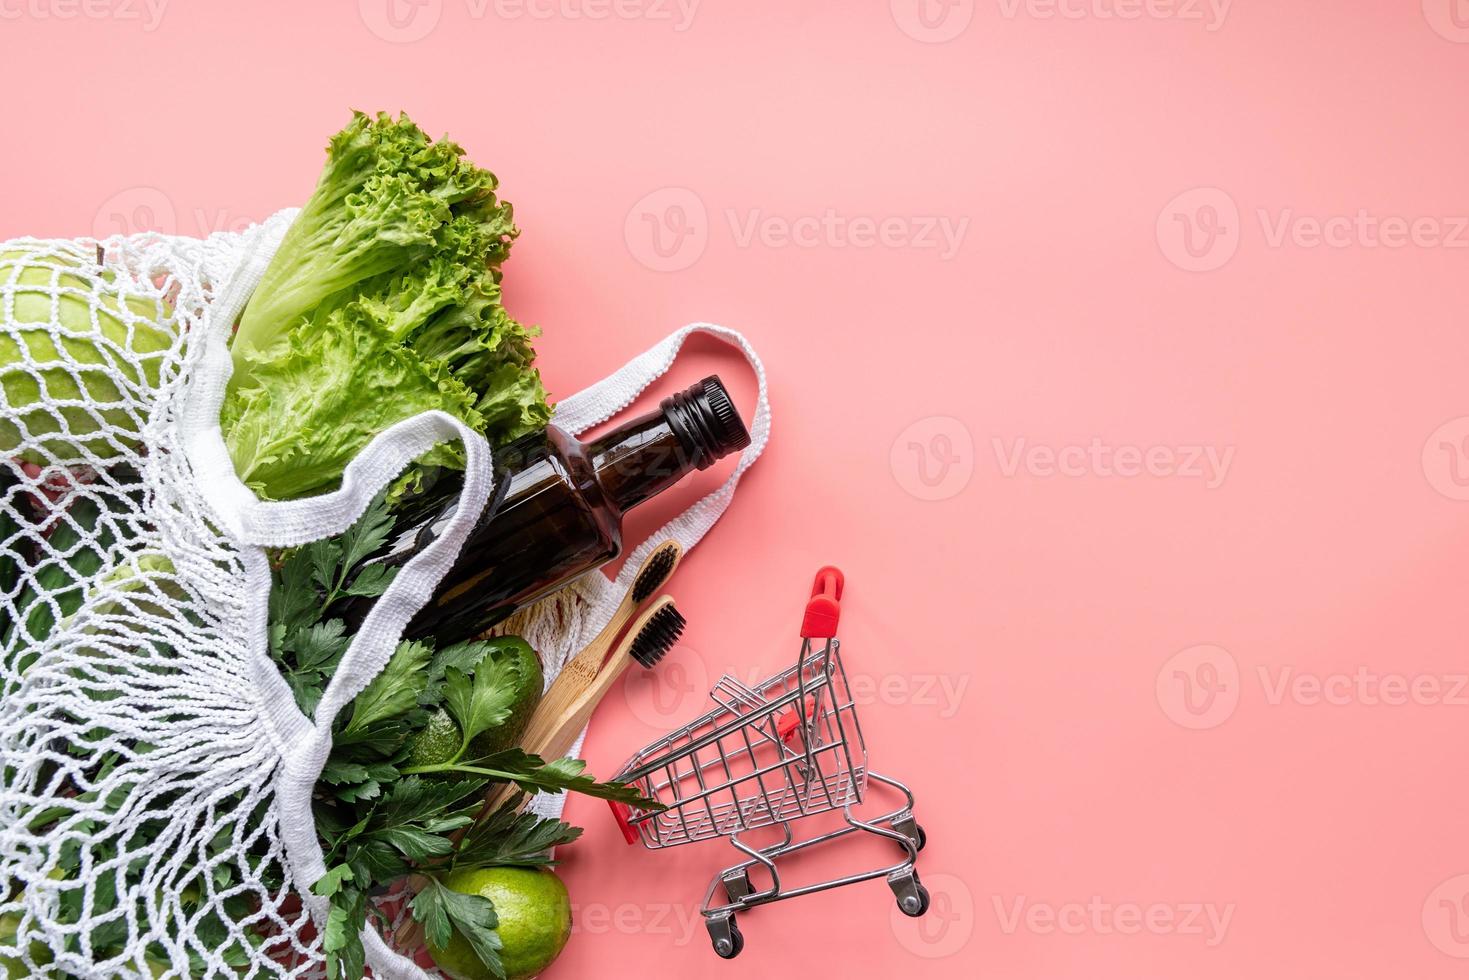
[
  {"x": 461, "y": 656},
  {"x": 324, "y": 558},
  {"x": 292, "y": 599},
  {"x": 369, "y": 534},
  {"x": 481, "y": 702},
  {"x": 381, "y": 738},
  {"x": 339, "y": 771},
  {"x": 394, "y": 690},
  {"x": 376, "y": 860},
  {"x": 417, "y": 814},
  {"x": 319, "y": 646},
  {"x": 440, "y": 909},
  {"x": 307, "y": 689},
  {"x": 372, "y": 580},
  {"x": 346, "y": 918},
  {"x": 533, "y": 774},
  {"x": 465, "y": 657},
  {"x": 509, "y": 838},
  {"x": 333, "y": 881},
  {"x": 415, "y": 798},
  {"x": 414, "y": 843}
]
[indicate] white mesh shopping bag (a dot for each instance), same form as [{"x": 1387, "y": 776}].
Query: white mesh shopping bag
[{"x": 155, "y": 771}]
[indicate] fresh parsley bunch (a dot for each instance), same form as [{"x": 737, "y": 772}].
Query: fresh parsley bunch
[{"x": 379, "y": 817}]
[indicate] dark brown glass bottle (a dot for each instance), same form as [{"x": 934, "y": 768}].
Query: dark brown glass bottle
[{"x": 558, "y": 507}]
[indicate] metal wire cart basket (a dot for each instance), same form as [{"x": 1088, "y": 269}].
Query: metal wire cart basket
[{"x": 767, "y": 755}]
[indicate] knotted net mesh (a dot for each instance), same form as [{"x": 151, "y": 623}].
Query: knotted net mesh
[{"x": 139, "y": 834}]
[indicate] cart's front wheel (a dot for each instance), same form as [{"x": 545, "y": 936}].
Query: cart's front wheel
[
  {"x": 923, "y": 902},
  {"x": 726, "y": 936},
  {"x": 913, "y": 898},
  {"x": 736, "y": 945}
]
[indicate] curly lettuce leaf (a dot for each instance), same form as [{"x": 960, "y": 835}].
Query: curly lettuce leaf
[
  {"x": 385, "y": 191},
  {"x": 306, "y": 412},
  {"x": 383, "y": 300}
]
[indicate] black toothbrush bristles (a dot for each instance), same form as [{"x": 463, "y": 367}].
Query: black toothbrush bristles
[
  {"x": 655, "y": 572},
  {"x": 657, "y": 636}
]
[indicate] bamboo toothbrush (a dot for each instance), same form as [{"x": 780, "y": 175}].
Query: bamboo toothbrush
[
  {"x": 647, "y": 641},
  {"x": 582, "y": 670}
]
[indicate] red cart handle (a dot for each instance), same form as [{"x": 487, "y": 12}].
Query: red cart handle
[
  {"x": 621, "y": 812},
  {"x": 824, "y": 609}
]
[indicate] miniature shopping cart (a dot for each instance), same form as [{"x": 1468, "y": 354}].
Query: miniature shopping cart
[{"x": 768, "y": 755}]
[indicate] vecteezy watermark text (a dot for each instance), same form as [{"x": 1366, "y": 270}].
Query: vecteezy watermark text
[
  {"x": 668, "y": 229},
  {"x": 1210, "y": 13},
  {"x": 1099, "y": 917},
  {"x": 407, "y": 21},
  {"x": 134, "y": 210},
  {"x": 1200, "y": 687},
  {"x": 679, "y": 13},
  {"x": 678, "y": 923},
  {"x": 832, "y": 229},
  {"x": 1363, "y": 686},
  {"x": 146, "y": 13},
  {"x": 1201, "y": 229},
  {"x": 1362, "y": 230},
  {"x": 943, "y": 694},
  {"x": 679, "y": 687},
  {"x": 1097, "y": 459},
  {"x": 937, "y": 21},
  {"x": 934, "y": 459}
]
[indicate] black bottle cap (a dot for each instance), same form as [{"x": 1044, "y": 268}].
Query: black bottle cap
[{"x": 706, "y": 421}]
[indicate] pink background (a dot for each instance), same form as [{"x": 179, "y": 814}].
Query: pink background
[{"x": 1099, "y": 685}]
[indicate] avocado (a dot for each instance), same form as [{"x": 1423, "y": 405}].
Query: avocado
[{"x": 438, "y": 741}]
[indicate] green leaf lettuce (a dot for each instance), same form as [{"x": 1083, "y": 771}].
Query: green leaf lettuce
[{"x": 383, "y": 301}]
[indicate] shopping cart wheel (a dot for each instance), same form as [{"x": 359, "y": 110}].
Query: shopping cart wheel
[
  {"x": 913, "y": 898},
  {"x": 726, "y": 936}
]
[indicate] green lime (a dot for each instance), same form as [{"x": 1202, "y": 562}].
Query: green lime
[
  {"x": 77, "y": 363},
  {"x": 526, "y": 665},
  {"x": 535, "y": 921},
  {"x": 435, "y": 743}
]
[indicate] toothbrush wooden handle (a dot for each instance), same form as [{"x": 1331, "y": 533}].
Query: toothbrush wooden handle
[
  {"x": 559, "y": 739},
  {"x": 578, "y": 674}
]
